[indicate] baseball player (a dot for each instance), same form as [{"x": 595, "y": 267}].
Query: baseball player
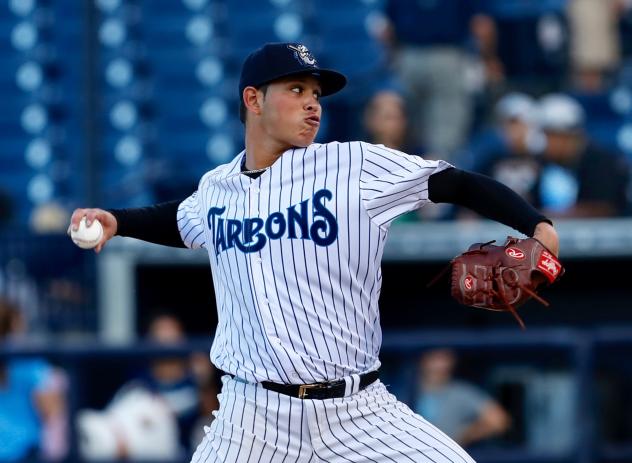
[{"x": 294, "y": 232}]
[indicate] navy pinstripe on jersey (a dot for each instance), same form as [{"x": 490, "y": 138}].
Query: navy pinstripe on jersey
[{"x": 295, "y": 256}]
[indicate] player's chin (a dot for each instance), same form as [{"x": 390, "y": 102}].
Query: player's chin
[{"x": 306, "y": 136}]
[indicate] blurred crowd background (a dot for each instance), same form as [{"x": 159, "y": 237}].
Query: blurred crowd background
[{"x": 123, "y": 103}]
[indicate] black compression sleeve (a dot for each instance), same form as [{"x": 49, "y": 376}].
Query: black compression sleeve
[
  {"x": 156, "y": 224},
  {"x": 485, "y": 196}
]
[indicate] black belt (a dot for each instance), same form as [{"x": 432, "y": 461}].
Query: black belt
[{"x": 321, "y": 391}]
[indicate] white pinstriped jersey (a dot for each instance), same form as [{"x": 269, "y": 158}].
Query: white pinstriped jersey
[{"x": 295, "y": 256}]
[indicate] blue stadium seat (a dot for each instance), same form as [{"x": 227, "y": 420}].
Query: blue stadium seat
[
  {"x": 174, "y": 70},
  {"x": 170, "y": 8},
  {"x": 251, "y": 24},
  {"x": 12, "y": 154},
  {"x": 345, "y": 42},
  {"x": 168, "y": 33},
  {"x": 9, "y": 63},
  {"x": 188, "y": 150},
  {"x": 124, "y": 188},
  {"x": 359, "y": 58},
  {"x": 598, "y": 107},
  {"x": 605, "y": 134},
  {"x": 174, "y": 143},
  {"x": 58, "y": 48}
]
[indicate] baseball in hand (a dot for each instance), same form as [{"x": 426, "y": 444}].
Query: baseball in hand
[{"x": 87, "y": 237}]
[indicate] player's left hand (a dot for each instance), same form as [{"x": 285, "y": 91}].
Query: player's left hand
[
  {"x": 502, "y": 278},
  {"x": 546, "y": 234}
]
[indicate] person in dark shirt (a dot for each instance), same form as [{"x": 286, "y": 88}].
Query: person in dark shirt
[
  {"x": 532, "y": 43},
  {"x": 429, "y": 38},
  {"x": 512, "y": 157},
  {"x": 172, "y": 377},
  {"x": 578, "y": 178}
]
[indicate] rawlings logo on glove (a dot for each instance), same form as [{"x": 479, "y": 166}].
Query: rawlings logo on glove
[{"x": 502, "y": 278}]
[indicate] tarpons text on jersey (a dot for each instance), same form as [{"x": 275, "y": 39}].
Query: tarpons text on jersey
[{"x": 296, "y": 222}]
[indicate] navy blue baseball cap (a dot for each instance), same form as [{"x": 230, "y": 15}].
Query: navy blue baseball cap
[{"x": 276, "y": 60}]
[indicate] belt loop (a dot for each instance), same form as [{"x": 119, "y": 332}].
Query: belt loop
[
  {"x": 348, "y": 385},
  {"x": 352, "y": 384},
  {"x": 355, "y": 383}
]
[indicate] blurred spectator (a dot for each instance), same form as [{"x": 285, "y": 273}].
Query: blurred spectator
[
  {"x": 386, "y": 122},
  {"x": 49, "y": 218},
  {"x": 19, "y": 286},
  {"x": 430, "y": 39},
  {"x": 55, "y": 294},
  {"x": 578, "y": 179},
  {"x": 508, "y": 155},
  {"x": 462, "y": 411},
  {"x": 532, "y": 43},
  {"x": 136, "y": 425},
  {"x": 595, "y": 48},
  {"x": 173, "y": 379},
  {"x": 33, "y": 412},
  {"x": 209, "y": 386},
  {"x": 156, "y": 409}
]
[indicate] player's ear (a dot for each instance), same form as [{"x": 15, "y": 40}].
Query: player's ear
[{"x": 251, "y": 100}]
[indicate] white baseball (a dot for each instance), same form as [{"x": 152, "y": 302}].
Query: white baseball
[{"x": 87, "y": 237}]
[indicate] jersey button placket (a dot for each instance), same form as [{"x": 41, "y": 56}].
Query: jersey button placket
[
  {"x": 253, "y": 197},
  {"x": 256, "y": 260}
]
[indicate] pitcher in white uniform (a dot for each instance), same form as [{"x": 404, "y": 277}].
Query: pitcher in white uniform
[{"x": 295, "y": 232}]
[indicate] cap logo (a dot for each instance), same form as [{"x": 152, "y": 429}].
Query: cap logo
[{"x": 302, "y": 53}]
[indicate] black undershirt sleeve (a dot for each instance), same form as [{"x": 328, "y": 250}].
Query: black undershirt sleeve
[
  {"x": 485, "y": 196},
  {"x": 155, "y": 224}
]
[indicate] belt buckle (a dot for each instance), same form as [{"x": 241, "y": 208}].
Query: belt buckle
[{"x": 304, "y": 389}]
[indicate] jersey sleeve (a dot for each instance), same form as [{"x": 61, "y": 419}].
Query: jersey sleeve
[
  {"x": 393, "y": 183},
  {"x": 191, "y": 223}
]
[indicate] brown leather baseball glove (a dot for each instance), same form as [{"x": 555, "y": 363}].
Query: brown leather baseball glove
[{"x": 503, "y": 277}]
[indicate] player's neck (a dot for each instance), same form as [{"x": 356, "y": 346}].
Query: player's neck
[{"x": 261, "y": 151}]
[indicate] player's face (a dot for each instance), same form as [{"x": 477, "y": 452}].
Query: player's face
[{"x": 291, "y": 111}]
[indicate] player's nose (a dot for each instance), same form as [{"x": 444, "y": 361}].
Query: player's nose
[{"x": 312, "y": 104}]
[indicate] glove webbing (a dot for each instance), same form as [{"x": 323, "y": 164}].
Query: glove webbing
[
  {"x": 500, "y": 294},
  {"x": 447, "y": 267}
]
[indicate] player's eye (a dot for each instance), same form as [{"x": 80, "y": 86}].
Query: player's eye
[
  {"x": 297, "y": 89},
  {"x": 317, "y": 94}
]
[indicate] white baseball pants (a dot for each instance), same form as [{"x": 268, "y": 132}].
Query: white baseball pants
[{"x": 257, "y": 425}]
